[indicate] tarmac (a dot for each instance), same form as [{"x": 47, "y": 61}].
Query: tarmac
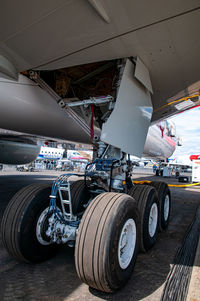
[{"x": 56, "y": 279}]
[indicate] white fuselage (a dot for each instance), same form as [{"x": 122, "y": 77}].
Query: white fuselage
[
  {"x": 50, "y": 153},
  {"x": 157, "y": 144}
]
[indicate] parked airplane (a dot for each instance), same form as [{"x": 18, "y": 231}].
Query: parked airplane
[
  {"x": 161, "y": 140},
  {"x": 75, "y": 156},
  {"x": 98, "y": 81},
  {"x": 51, "y": 153}
]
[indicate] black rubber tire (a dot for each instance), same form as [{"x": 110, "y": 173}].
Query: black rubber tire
[
  {"x": 79, "y": 196},
  {"x": 19, "y": 221},
  {"x": 96, "y": 249},
  {"x": 145, "y": 196},
  {"x": 162, "y": 190}
]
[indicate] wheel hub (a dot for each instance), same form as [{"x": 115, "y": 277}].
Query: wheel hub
[
  {"x": 166, "y": 207},
  {"x": 51, "y": 230},
  {"x": 126, "y": 245},
  {"x": 42, "y": 226},
  {"x": 153, "y": 219}
]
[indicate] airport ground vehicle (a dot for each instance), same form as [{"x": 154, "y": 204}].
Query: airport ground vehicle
[{"x": 25, "y": 168}]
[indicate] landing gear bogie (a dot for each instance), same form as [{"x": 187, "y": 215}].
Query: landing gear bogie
[{"x": 107, "y": 230}]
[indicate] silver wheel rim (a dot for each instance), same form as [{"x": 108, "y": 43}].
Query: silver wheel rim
[
  {"x": 153, "y": 219},
  {"x": 166, "y": 207},
  {"x": 39, "y": 227},
  {"x": 126, "y": 245}
]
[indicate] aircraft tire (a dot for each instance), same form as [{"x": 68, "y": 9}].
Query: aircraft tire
[
  {"x": 147, "y": 202},
  {"x": 19, "y": 222},
  {"x": 164, "y": 197},
  {"x": 107, "y": 241},
  {"x": 79, "y": 196}
]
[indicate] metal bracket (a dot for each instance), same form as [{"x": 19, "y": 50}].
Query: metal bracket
[{"x": 93, "y": 100}]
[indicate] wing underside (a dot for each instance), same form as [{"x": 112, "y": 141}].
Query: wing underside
[{"x": 54, "y": 35}]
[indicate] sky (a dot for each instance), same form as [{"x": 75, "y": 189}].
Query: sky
[{"x": 188, "y": 128}]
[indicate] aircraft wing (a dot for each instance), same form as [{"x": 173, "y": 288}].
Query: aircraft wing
[{"x": 49, "y": 35}]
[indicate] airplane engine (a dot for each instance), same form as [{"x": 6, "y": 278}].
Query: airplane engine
[{"x": 18, "y": 151}]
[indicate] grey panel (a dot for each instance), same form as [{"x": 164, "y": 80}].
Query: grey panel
[
  {"x": 7, "y": 69},
  {"x": 142, "y": 74},
  {"x": 26, "y": 108},
  {"x": 128, "y": 124}
]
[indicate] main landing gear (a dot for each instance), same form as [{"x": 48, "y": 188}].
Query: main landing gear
[{"x": 107, "y": 221}]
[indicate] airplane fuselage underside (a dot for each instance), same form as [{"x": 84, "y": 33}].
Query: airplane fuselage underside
[{"x": 124, "y": 119}]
